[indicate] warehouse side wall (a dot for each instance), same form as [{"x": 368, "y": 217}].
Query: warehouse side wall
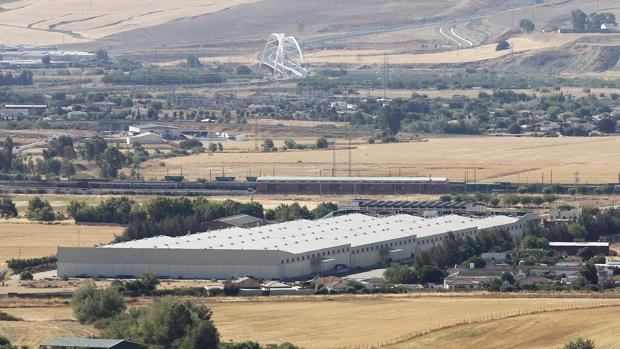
[{"x": 171, "y": 263}]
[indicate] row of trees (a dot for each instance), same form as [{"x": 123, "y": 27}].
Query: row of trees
[
  {"x": 9, "y": 79},
  {"x": 592, "y": 22},
  {"x": 178, "y": 216},
  {"x": 455, "y": 250}
]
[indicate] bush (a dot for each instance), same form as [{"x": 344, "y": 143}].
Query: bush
[
  {"x": 26, "y": 275},
  {"x": 91, "y": 304},
  {"x": 401, "y": 274},
  {"x": 19, "y": 265},
  {"x": 144, "y": 285},
  {"x": 231, "y": 289},
  {"x": 7, "y": 317},
  {"x": 322, "y": 143},
  {"x": 580, "y": 343},
  {"x": 478, "y": 261},
  {"x": 502, "y": 45},
  {"x": 40, "y": 210},
  {"x": 168, "y": 323}
]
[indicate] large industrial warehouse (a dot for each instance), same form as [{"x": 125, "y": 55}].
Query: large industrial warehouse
[{"x": 283, "y": 251}]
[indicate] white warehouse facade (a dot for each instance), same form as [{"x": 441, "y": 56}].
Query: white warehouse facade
[{"x": 282, "y": 251}]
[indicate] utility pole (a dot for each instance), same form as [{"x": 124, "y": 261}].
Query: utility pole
[
  {"x": 350, "y": 155},
  {"x": 333, "y": 158}
]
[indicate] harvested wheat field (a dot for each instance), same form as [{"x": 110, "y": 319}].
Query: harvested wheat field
[
  {"x": 476, "y": 54},
  {"x": 330, "y": 322},
  {"x": 516, "y": 159},
  {"x": 27, "y": 239},
  {"x": 363, "y": 321},
  {"x": 67, "y": 21},
  {"x": 541, "y": 331},
  {"x": 32, "y": 333}
]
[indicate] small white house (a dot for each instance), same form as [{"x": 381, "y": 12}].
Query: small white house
[
  {"x": 169, "y": 132},
  {"x": 145, "y": 138}
]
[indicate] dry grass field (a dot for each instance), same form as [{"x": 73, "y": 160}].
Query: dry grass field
[
  {"x": 520, "y": 45},
  {"x": 27, "y": 239},
  {"x": 541, "y": 331},
  {"x": 518, "y": 159},
  {"x": 43, "y": 22},
  {"x": 350, "y": 321},
  {"x": 473, "y": 93}
]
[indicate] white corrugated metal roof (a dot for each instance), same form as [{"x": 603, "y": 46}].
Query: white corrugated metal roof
[
  {"x": 579, "y": 244},
  {"x": 303, "y": 235}
]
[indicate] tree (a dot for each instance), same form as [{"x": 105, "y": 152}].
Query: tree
[
  {"x": 26, "y": 275},
  {"x": 606, "y": 125},
  {"x": 514, "y": 128},
  {"x": 290, "y": 143},
  {"x": 401, "y": 274},
  {"x": 6, "y": 344},
  {"x": 596, "y": 20},
  {"x": 231, "y": 289},
  {"x": 193, "y": 61},
  {"x": 110, "y": 162},
  {"x": 91, "y": 304},
  {"x": 46, "y": 60},
  {"x": 285, "y": 213},
  {"x": 586, "y": 254},
  {"x": 212, "y": 147},
  {"x": 144, "y": 285},
  {"x": 526, "y": 25},
  {"x": 7, "y": 208},
  {"x": 171, "y": 323},
  {"x": 6, "y": 155},
  {"x": 502, "y": 45},
  {"x": 190, "y": 143},
  {"x": 322, "y": 142},
  {"x": 508, "y": 277},
  {"x": 40, "y": 210},
  {"x": 577, "y": 230},
  {"x": 530, "y": 241},
  {"x": 323, "y": 209},
  {"x": 589, "y": 273},
  {"x": 268, "y": 144},
  {"x": 580, "y": 343},
  {"x": 430, "y": 273},
  {"x": 102, "y": 55},
  {"x": 220, "y": 147},
  {"x": 92, "y": 148},
  {"x": 578, "y": 19},
  {"x": 390, "y": 119},
  {"x": 478, "y": 261}
]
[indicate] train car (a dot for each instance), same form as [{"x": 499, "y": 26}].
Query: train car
[{"x": 352, "y": 185}]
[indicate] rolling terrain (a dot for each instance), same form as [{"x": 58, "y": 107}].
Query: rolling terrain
[{"x": 421, "y": 33}]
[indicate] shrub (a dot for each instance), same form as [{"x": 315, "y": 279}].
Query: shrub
[
  {"x": 580, "y": 343},
  {"x": 502, "y": 45},
  {"x": 7, "y": 317},
  {"x": 26, "y": 275},
  {"x": 231, "y": 289},
  {"x": 91, "y": 304}
]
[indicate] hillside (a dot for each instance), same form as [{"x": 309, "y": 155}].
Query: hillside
[{"x": 350, "y": 33}]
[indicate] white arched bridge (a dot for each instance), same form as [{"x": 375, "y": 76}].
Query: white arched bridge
[{"x": 283, "y": 55}]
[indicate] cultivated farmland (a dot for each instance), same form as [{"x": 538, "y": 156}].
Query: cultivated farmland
[
  {"x": 27, "y": 239},
  {"x": 516, "y": 159},
  {"x": 359, "y": 321}
]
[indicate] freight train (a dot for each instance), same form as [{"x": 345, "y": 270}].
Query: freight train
[{"x": 304, "y": 185}]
